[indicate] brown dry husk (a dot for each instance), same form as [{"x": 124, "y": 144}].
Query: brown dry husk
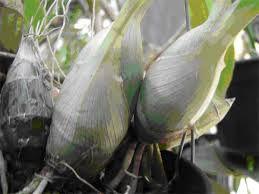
[{"x": 26, "y": 103}]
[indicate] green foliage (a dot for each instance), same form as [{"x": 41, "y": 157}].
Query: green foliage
[
  {"x": 199, "y": 12},
  {"x": 33, "y": 11},
  {"x": 209, "y": 4},
  {"x": 249, "y": 3},
  {"x": 91, "y": 5},
  {"x": 62, "y": 54},
  {"x": 72, "y": 45},
  {"x": 75, "y": 14},
  {"x": 250, "y": 162},
  {"x": 11, "y": 24}
]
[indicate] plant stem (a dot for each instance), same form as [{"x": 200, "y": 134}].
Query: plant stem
[
  {"x": 7, "y": 55},
  {"x": 179, "y": 155}
]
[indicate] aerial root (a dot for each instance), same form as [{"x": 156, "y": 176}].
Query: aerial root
[
  {"x": 177, "y": 162},
  {"x": 38, "y": 183},
  {"x": 147, "y": 166},
  {"x": 31, "y": 187},
  {"x": 136, "y": 167},
  {"x": 45, "y": 176},
  {"x": 80, "y": 178}
]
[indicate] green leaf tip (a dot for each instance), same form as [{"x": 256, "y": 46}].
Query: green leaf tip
[{"x": 252, "y": 4}]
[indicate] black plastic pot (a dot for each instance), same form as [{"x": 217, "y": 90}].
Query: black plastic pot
[
  {"x": 239, "y": 131},
  {"x": 191, "y": 179}
]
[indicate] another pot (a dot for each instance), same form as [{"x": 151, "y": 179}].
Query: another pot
[
  {"x": 239, "y": 164},
  {"x": 239, "y": 131}
]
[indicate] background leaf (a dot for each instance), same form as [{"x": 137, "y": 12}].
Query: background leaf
[
  {"x": 209, "y": 4},
  {"x": 199, "y": 12},
  {"x": 11, "y": 24},
  {"x": 33, "y": 9}
]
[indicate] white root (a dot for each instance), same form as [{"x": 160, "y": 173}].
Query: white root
[
  {"x": 80, "y": 178},
  {"x": 7, "y": 55},
  {"x": 43, "y": 184},
  {"x": 31, "y": 187}
]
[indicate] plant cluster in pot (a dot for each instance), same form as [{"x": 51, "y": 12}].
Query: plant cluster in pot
[{"x": 98, "y": 98}]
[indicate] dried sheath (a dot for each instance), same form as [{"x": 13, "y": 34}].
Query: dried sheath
[{"x": 26, "y": 103}]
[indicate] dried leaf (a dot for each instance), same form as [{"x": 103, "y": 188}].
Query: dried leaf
[{"x": 26, "y": 103}]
